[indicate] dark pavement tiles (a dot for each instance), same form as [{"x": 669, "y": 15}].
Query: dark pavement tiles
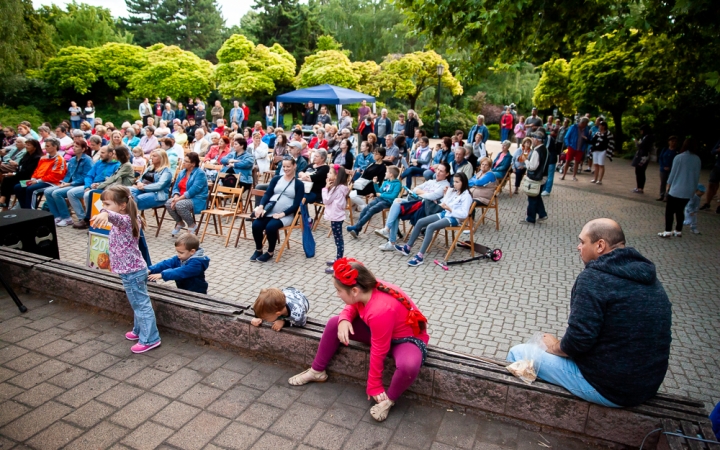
[{"x": 68, "y": 380}]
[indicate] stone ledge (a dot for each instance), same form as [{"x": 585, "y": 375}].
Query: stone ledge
[{"x": 447, "y": 378}]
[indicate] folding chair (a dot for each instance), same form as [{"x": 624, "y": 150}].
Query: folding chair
[
  {"x": 492, "y": 204},
  {"x": 219, "y": 213},
  {"x": 506, "y": 180},
  {"x": 294, "y": 225},
  {"x": 467, "y": 224},
  {"x": 246, "y": 213}
]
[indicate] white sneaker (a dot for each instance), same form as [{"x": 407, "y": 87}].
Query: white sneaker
[
  {"x": 677, "y": 233},
  {"x": 665, "y": 234},
  {"x": 383, "y": 233},
  {"x": 387, "y": 247},
  {"x": 466, "y": 233},
  {"x": 545, "y": 193},
  {"x": 58, "y": 220},
  {"x": 65, "y": 222},
  {"x": 695, "y": 231}
]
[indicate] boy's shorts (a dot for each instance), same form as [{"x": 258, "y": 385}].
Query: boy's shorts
[{"x": 573, "y": 154}]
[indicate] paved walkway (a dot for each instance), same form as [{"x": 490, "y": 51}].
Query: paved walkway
[
  {"x": 68, "y": 380},
  {"x": 484, "y": 308}
]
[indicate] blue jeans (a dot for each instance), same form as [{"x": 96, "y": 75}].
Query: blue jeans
[
  {"x": 280, "y": 121},
  {"x": 74, "y": 195},
  {"x": 536, "y": 207},
  {"x": 411, "y": 172},
  {"x": 135, "y": 284},
  {"x": 146, "y": 200},
  {"x": 24, "y": 195},
  {"x": 374, "y": 207},
  {"x": 551, "y": 177},
  {"x": 429, "y": 174},
  {"x": 55, "y": 199},
  {"x": 563, "y": 372},
  {"x": 504, "y": 133},
  {"x": 75, "y": 124},
  {"x": 268, "y": 121},
  {"x": 393, "y": 221}
]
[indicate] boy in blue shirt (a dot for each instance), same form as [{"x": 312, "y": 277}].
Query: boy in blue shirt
[
  {"x": 187, "y": 268},
  {"x": 386, "y": 194}
]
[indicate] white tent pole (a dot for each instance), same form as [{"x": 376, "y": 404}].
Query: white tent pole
[
  {"x": 374, "y": 108},
  {"x": 338, "y": 110}
]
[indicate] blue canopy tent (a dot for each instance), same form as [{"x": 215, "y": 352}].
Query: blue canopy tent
[{"x": 326, "y": 94}]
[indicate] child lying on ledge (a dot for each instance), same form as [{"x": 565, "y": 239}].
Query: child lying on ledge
[{"x": 278, "y": 306}]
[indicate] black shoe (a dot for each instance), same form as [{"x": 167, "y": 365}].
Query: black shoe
[
  {"x": 705, "y": 206},
  {"x": 265, "y": 257},
  {"x": 255, "y": 255},
  {"x": 659, "y": 199}
]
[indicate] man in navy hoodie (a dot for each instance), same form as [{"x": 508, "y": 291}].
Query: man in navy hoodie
[
  {"x": 616, "y": 348},
  {"x": 187, "y": 268}
]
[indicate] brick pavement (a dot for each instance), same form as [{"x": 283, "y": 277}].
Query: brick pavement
[
  {"x": 484, "y": 308},
  {"x": 68, "y": 380}
]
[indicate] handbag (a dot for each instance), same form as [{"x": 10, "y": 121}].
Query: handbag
[
  {"x": 361, "y": 183},
  {"x": 271, "y": 204},
  {"x": 531, "y": 187}
]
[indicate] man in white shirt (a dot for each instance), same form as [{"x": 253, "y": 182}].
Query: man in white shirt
[
  {"x": 66, "y": 141},
  {"x": 432, "y": 190}
]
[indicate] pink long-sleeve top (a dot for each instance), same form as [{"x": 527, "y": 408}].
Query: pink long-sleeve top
[
  {"x": 335, "y": 202},
  {"x": 386, "y": 317},
  {"x": 125, "y": 254}
]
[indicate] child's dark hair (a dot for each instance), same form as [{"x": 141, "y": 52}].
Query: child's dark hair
[
  {"x": 189, "y": 241},
  {"x": 340, "y": 177},
  {"x": 269, "y": 302},
  {"x": 121, "y": 195},
  {"x": 463, "y": 179}
]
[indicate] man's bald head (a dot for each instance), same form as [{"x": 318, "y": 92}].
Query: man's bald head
[
  {"x": 598, "y": 237},
  {"x": 607, "y": 230}
]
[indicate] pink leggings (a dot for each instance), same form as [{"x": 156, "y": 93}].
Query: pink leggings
[{"x": 407, "y": 356}]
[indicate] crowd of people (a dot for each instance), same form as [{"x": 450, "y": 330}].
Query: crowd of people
[{"x": 176, "y": 166}]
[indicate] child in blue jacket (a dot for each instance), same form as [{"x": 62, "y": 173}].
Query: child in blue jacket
[
  {"x": 385, "y": 195},
  {"x": 187, "y": 268}
]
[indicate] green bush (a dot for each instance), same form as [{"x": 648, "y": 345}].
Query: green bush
[
  {"x": 494, "y": 130},
  {"x": 451, "y": 120},
  {"x": 13, "y": 116}
]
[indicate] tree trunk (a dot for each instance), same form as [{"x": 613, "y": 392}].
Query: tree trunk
[{"x": 413, "y": 100}]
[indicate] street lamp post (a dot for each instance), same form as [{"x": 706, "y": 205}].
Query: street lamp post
[{"x": 440, "y": 70}]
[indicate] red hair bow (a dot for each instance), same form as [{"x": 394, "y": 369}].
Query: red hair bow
[{"x": 344, "y": 272}]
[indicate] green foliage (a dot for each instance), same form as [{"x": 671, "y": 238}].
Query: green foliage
[
  {"x": 289, "y": 23},
  {"x": 369, "y": 29},
  {"x": 83, "y": 25},
  {"x": 193, "y": 25},
  {"x": 26, "y": 39},
  {"x": 411, "y": 74},
  {"x": 451, "y": 120},
  {"x": 172, "y": 71},
  {"x": 73, "y": 68},
  {"x": 494, "y": 130},
  {"x": 245, "y": 70},
  {"x": 326, "y": 42},
  {"x": 13, "y": 116},
  {"x": 329, "y": 66},
  {"x": 553, "y": 89},
  {"x": 118, "y": 62},
  {"x": 370, "y": 77},
  {"x": 513, "y": 84}
]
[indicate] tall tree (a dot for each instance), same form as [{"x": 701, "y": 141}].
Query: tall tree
[
  {"x": 83, "y": 25},
  {"x": 26, "y": 39},
  {"x": 369, "y": 29},
  {"x": 327, "y": 66},
  {"x": 293, "y": 25},
  {"x": 553, "y": 89},
  {"x": 193, "y": 25},
  {"x": 410, "y": 75}
]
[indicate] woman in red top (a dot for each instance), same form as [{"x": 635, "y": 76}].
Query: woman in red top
[{"x": 379, "y": 314}]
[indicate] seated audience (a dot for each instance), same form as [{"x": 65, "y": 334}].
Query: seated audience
[
  {"x": 316, "y": 173},
  {"x": 23, "y": 171},
  {"x": 385, "y": 195},
  {"x": 50, "y": 170},
  {"x": 77, "y": 169},
  {"x": 153, "y": 188},
  {"x": 189, "y": 195}
]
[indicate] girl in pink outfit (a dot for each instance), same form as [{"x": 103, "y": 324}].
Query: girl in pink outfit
[
  {"x": 379, "y": 314},
  {"x": 334, "y": 196},
  {"x": 120, "y": 211}
]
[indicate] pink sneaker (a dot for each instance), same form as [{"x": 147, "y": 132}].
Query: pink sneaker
[
  {"x": 130, "y": 336},
  {"x": 140, "y": 348}
]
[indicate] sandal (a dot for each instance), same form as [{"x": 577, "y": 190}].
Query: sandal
[
  {"x": 308, "y": 376},
  {"x": 380, "y": 411}
]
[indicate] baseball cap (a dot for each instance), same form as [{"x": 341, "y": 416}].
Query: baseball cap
[{"x": 295, "y": 144}]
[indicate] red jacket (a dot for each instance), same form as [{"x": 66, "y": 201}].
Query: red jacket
[
  {"x": 50, "y": 170},
  {"x": 246, "y": 111},
  {"x": 321, "y": 144},
  {"x": 506, "y": 121}
]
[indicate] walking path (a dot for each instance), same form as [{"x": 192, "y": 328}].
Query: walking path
[
  {"x": 68, "y": 380},
  {"x": 483, "y": 308}
]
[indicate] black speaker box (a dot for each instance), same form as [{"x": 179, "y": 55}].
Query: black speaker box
[{"x": 29, "y": 230}]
